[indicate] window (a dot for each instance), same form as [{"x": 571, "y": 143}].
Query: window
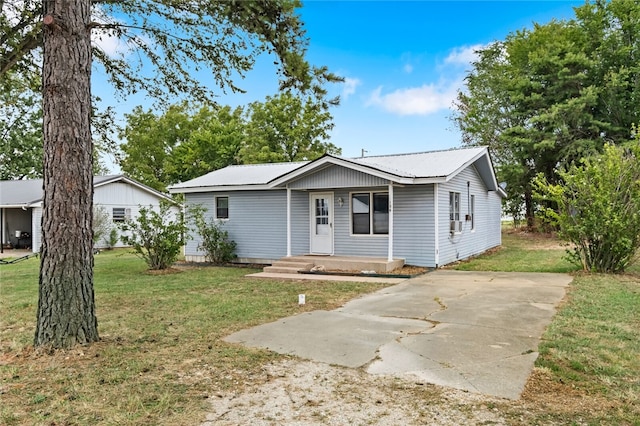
[
  {"x": 455, "y": 226},
  {"x": 454, "y": 206},
  {"x": 472, "y": 208},
  {"x": 222, "y": 207},
  {"x": 363, "y": 222},
  {"x": 120, "y": 214}
]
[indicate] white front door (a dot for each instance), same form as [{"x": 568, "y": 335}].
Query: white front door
[{"x": 321, "y": 209}]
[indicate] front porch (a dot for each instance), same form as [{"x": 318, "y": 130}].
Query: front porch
[{"x": 295, "y": 264}]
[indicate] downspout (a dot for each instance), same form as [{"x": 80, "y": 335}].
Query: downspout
[
  {"x": 436, "y": 225},
  {"x": 288, "y": 221},
  {"x": 390, "y": 254}
]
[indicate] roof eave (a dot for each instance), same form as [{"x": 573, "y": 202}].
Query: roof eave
[{"x": 221, "y": 188}]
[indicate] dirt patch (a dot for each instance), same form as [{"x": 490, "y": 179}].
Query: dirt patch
[
  {"x": 538, "y": 240},
  {"x": 306, "y": 393}
]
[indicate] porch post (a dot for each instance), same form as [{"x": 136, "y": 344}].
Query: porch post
[
  {"x": 390, "y": 254},
  {"x": 288, "y": 221},
  {"x": 436, "y": 225}
]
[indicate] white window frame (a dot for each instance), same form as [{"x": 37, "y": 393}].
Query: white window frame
[
  {"x": 215, "y": 204},
  {"x": 120, "y": 218},
  {"x": 454, "y": 212},
  {"x": 371, "y": 214}
]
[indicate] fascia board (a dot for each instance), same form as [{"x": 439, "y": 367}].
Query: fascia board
[{"x": 197, "y": 189}]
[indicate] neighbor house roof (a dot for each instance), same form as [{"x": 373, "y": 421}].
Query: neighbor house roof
[
  {"x": 28, "y": 193},
  {"x": 416, "y": 168}
]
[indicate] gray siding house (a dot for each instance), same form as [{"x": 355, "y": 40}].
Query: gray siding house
[
  {"x": 21, "y": 207},
  {"x": 429, "y": 208}
]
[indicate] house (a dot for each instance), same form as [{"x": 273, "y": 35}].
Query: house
[
  {"x": 429, "y": 208},
  {"x": 21, "y": 206}
]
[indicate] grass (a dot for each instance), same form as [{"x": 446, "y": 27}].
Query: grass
[
  {"x": 522, "y": 252},
  {"x": 160, "y": 354},
  {"x": 593, "y": 345}
]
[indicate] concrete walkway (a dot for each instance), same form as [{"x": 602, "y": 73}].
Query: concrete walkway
[{"x": 476, "y": 331}]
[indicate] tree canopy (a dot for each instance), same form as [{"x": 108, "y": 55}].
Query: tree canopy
[
  {"x": 187, "y": 141},
  {"x": 286, "y": 128},
  {"x": 545, "y": 98}
]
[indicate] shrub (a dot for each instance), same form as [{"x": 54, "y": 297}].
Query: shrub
[
  {"x": 101, "y": 223},
  {"x": 112, "y": 239},
  {"x": 156, "y": 235},
  {"x": 215, "y": 241},
  {"x": 599, "y": 208}
]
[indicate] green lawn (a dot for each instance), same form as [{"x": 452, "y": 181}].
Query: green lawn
[
  {"x": 160, "y": 352},
  {"x": 522, "y": 252}
]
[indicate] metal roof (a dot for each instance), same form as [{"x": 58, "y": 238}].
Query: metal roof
[
  {"x": 422, "y": 164},
  {"x": 25, "y": 193},
  {"x": 18, "y": 193},
  {"x": 422, "y": 167},
  {"x": 249, "y": 174}
]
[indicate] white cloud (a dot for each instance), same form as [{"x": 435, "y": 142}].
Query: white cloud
[
  {"x": 349, "y": 87},
  {"x": 463, "y": 55},
  {"x": 109, "y": 44},
  {"x": 408, "y": 68},
  {"x": 424, "y": 100}
]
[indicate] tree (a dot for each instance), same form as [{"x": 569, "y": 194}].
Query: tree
[
  {"x": 182, "y": 143},
  {"x": 66, "y": 304},
  {"x": 287, "y": 128},
  {"x": 215, "y": 140},
  {"x": 552, "y": 95},
  {"x": 20, "y": 127},
  {"x": 599, "y": 208},
  {"x": 150, "y": 140},
  {"x": 226, "y": 37}
]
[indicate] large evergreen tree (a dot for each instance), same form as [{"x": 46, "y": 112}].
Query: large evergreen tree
[{"x": 170, "y": 40}]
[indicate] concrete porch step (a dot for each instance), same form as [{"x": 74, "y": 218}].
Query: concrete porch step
[
  {"x": 288, "y": 266},
  {"x": 302, "y": 265}
]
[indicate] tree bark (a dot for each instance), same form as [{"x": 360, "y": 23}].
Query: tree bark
[{"x": 66, "y": 306}]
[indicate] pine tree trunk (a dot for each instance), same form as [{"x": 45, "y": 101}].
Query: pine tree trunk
[{"x": 66, "y": 307}]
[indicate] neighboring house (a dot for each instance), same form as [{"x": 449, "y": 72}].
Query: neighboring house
[
  {"x": 430, "y": 208},
  {"x": 21, "y": 206}
]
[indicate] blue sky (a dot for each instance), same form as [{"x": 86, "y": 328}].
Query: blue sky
[{"x": 403, "y": 62}]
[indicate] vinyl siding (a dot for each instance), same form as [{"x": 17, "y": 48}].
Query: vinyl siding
[
  {"x": 300, "y": 223},
  {"x": 346, "y": 244},
  {"x": 337, "y": 177},
  {"x": 123, "y": 195},
  {"x": 257, "y": 222},
  {"x": 487, "y": 218},
  {"x": 116, "y": 194},
  {"x": 414, "y": 231}
]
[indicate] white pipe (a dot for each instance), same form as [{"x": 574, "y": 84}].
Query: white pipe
[{"x": 390, "y": 254}]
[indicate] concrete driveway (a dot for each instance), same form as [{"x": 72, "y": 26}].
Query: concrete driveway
[{"x": 476, "y": 331}]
